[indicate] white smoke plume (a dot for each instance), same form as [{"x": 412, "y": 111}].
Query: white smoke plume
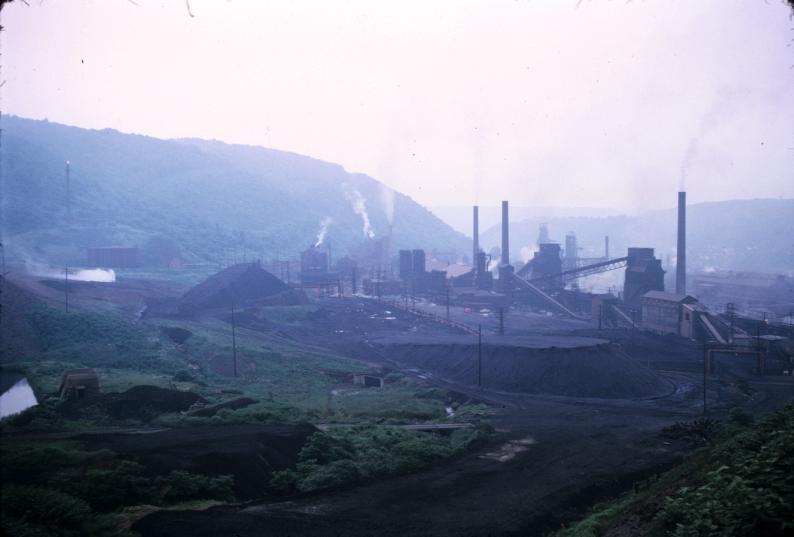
[
  {"x": 387, "y": 201},
  {"x": 686, "y": 163},
  {"x": 526, "y": 253},
  {"x": 360, "y": 208},
  {"x": 79, "y": 275},
  {"x": 722, "y": 110},
  {"x": 324, "y": 223}
]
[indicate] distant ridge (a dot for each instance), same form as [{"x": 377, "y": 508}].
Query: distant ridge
[{"x": 203, "y": 201}]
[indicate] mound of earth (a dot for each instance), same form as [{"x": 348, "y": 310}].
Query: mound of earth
[
  {"x": 249, "y": 453},
  {"x": 233, "y": 404},
  {"x": 145, "y": 402},
  {"x": 551, "y": 365},
  {"x": 238, "y": 285},
  {"x": 176, "y": 334}
]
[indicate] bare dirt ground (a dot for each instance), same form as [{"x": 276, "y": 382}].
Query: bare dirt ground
[{"x": 551, "y": 456}]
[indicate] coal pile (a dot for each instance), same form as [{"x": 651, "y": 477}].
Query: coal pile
[
  {"x": 550, "y": 365},
  {"x": 249, "y": 453},
  {"x": 239, "y": 285}
]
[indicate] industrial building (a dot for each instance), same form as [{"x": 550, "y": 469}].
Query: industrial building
[
  {"x": 315, "y": 269},
  {"x": 664, "y": 313},
  {"x": 415, "y": 277},
  {"x": 644, "y": 273}
]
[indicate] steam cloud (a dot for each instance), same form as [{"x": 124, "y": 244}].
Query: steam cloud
[
  {"x": 722, "y": 109},
  {"x": 80, "y": 275},
  {"x": 387, "y": 201},
  {"x": 689, "y": 158},
  {"x": 324, "y": 223},
  {"x": 360, "y": 208}
]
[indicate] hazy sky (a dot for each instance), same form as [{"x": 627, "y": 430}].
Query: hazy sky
[{"x": 542, "y": 103}]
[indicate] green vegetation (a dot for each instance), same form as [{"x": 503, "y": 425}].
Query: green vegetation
[
  {"x": 55, "y": 487},
  {"x": 743, "y": 486},
  {"x": 345, "y": 455},
  {"x": 601, "y": 517},
  {"x": 59, "y": 489},
  {"x": 747, "y": 487},
  {"x": 289, "y": 381},
  {"x": 96, "y": 340}
]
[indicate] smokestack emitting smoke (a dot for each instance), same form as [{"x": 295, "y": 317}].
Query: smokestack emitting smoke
[
  {"x": 505, "y": 236},
  {"x": 476, "y": 235},
  {"x": 680, "y": 264},
  {"x": 324, "y": 223}
]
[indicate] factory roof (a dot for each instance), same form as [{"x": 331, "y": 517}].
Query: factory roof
[{"x": 668, "y": 297}]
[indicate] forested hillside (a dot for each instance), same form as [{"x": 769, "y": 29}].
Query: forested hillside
[{"x": 202, "y": 200}]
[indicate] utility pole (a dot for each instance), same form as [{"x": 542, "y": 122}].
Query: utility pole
[
  {"x": 633, "y": 324},
  {"x": 66, "y": 288},
  {"x": 377, "y": 280},
  {"x": 234, "y": 343},
  {"x": 705, "y": 369},
  {"x": 353, "y": 278},
  {"x": 600, "y": 314},
  {"x": 68, "y": 194},
  {"x": 479, "y": 355},
  {"x": 731, "y": 311}
]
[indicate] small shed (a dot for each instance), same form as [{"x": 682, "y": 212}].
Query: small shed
[
  {"x": 79, "y": 384},
  {"x": 368, "y": 381}
]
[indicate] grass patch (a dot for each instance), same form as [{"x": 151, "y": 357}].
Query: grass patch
[
  {"x": 56, "y": 488},
  {"x": 346, "y": 455},
  {"x": 740, "y": 487}
]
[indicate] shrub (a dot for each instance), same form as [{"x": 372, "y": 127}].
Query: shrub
[
  {"x": 747, "y": 490},
  {"x": 40, "y": 506},
  {"x": 346, "y": 455}
]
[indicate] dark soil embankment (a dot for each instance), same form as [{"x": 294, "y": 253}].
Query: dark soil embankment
[
  {"x": 583, "y": 370},
  {"x": 144, "y": 402},
  {"x": 233, "y": 404},
  {"x": 250, "y": 453}
]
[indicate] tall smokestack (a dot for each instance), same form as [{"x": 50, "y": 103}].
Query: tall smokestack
[
  {"x": 505, "y": 236},
  {"x": 476, "y": 235},
  {"x": 606, "y": 246},
  {"x": 680, "y": 264}
]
